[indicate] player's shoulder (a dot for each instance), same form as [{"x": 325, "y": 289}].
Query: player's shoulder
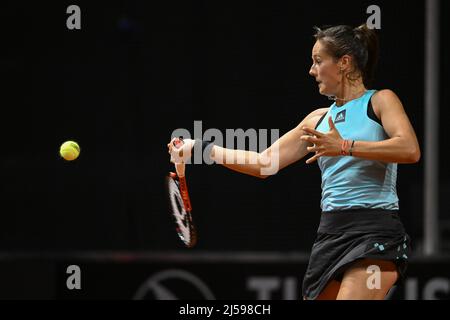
[
  {"x": 319, "y": 112},
  {"x": 384, "y": 97},
  {"x": 314, "y": 117}
]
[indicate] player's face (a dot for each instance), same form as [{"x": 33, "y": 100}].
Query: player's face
[{"x": 325, "y": 70}]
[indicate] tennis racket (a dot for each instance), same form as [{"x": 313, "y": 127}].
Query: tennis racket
[{"x": 180, "y": 203}]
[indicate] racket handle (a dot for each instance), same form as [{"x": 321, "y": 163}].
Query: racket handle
[
  {"x": 179, "y": 167},
  {"x": 184, "y": 193}
]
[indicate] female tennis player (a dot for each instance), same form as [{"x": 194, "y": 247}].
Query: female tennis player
[{"x": 361, "y": 249}]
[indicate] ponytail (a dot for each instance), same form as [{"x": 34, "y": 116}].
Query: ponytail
[{"x": 369, "y": 41}]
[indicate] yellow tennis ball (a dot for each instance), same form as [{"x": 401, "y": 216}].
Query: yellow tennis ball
[{"x": 70, "y": 150}]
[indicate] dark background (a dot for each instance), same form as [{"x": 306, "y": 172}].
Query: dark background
[{"x": 135, "y": 72}]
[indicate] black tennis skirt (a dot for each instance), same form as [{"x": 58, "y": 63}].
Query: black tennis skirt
[{"x": 346, "y": 236}]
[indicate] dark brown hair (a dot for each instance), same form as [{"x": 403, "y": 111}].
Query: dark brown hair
[{"x": 361, "y": 43}]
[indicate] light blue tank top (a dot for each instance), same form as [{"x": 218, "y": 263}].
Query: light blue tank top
[{"x": 351, "y": 182}]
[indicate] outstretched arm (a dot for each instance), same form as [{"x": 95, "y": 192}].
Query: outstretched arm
[{"x": 286, "y": 150}]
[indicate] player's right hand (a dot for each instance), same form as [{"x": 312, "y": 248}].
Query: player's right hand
[{"x": 180, "y": 150}]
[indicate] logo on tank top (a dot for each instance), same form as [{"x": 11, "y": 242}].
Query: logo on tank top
[{"x": 340, "y": 117}]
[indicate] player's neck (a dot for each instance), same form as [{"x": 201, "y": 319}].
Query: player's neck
[{"x": 349, "y": 92}]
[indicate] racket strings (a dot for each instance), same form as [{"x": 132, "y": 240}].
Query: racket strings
[{"x": 181, "y": 207}]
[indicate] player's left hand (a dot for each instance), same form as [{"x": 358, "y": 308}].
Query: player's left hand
[{"x": 325, "y": 144}]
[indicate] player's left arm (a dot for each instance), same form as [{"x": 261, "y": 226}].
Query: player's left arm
[{"x": 402, "y": 145}]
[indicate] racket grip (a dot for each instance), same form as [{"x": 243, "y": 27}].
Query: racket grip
[
  {"x": 179, "y": 166},
  {"x": 184, "y": 193},
  {"x": 180, "y": 169}
]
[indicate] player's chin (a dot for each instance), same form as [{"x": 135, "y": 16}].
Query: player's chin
[
  {"x": 323, "y": 90},
  {"x": 320, "y": 86}
]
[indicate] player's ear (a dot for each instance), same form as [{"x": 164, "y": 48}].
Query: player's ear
[{"x": 345, "y": 63}]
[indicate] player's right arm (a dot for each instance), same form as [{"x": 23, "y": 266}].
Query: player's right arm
[{"x": 286, "y": 150}]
